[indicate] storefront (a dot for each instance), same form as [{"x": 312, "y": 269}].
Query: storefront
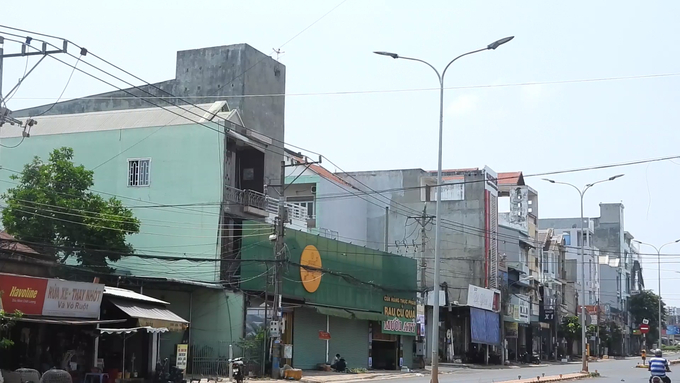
[
  {"x": 516, "y": 321},
  {"x": 131, "y": 349},
  {"x": 393, "y": 338},
  {"x": 338, "y": 298},
  {"x": 58, "y": 325}
]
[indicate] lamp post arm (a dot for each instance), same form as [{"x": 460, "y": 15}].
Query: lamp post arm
[
  {"x": 439, "y": 76},
  {"x": 464, "y": 54}
]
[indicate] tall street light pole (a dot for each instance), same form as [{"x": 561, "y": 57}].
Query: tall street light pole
[
  {"x": 437, "y": 235},
  {"x": 658, "y": 254},
  {"x": 582, "y": 193}
]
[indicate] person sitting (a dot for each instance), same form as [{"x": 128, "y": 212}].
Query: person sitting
[
  {"x": 340, "y": 365},
  {"x": 658, "y": 366},
  {"x": 335, "y": 361}
]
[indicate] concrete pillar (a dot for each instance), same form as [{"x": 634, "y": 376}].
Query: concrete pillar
[{"x": 429, "y": 322}]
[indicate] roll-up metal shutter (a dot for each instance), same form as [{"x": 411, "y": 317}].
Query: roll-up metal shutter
[
  {"x": 349, "y": 338},
  {"x": 308, "y": 349}
]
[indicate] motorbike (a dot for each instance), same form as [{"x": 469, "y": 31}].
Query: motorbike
[
  {"x": 168, "y": 374},
  {"x": 531, "y": 358},
  {"x": 237, "y": 368}
]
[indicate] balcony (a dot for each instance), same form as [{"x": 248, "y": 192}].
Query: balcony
[{"x": 252, "y": 203}]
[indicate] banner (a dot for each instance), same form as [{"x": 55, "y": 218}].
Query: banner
[{"x": 50, "y": 297}]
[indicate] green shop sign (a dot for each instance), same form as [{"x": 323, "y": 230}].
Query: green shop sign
[{"x": 402, "y": 314}]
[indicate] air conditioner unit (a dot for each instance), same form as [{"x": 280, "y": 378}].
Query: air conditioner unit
[{"x": 314, "y": 189}]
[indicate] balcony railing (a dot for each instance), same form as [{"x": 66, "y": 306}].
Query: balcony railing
[{"x": 257, "y": 200}]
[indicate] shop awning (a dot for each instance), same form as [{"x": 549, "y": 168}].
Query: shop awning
[
  {"x": 340, "y": 313},
  {"x": 151, "y": 315},
  {"x": 350, "y": 314},
  {"x": 132, "y": 330},
  {"x": 365, "y": 315},
  {"x": 68, "y": 321}
]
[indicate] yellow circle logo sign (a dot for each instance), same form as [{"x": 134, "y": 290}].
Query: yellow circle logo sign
[{"x": 311, "y": 279}]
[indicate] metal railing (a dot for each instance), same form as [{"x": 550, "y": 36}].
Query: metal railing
[{"x": 263, "y": 202}]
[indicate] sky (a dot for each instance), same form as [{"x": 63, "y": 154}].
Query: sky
[{"x": 582, "y": 84}]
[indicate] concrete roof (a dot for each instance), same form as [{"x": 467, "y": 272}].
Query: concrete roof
[{"x": 128, "y": 119}]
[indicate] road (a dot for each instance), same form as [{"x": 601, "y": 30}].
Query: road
[{"x": 610, "y": 371}]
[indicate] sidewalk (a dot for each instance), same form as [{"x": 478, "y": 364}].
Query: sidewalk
[
  {"x": 326, "y": 377},
  {"x": 554, "y": 378}
]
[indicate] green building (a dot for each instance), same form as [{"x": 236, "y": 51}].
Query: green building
[{"x": 337, "y": 298}]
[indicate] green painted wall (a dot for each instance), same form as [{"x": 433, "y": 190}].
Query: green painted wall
[
  {"x": 185, "y": 169},
  {"x": 216, "y": 320},
  {"x": 347, "y": 264}
]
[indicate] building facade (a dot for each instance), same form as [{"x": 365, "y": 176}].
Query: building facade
[
  {"x": 191, "y": 174},
  {"x": 337, "y": 298},
  {"x": 469, "y": 240},
  {"x": 613, "y": 264}
]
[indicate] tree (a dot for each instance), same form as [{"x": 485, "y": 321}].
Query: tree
[
  {"x": 571, "y": 330},
  {"x": 6, "y": 323},
  {"x": 54, "y": 211},
  {"x": 645, "y": 305}
]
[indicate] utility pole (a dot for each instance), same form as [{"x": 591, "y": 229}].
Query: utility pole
[
  {"x": 275, "y": 329},
  {"x": 423, "y": 220},
  {"x": 5, "y": 113}
]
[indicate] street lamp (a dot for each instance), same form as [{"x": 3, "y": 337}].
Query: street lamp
[
  {"x": 658, "y": 254},
  {"x": 437, "y": 235},
  {"x": 583, "y": 262}
]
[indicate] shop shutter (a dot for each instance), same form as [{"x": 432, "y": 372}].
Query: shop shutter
[
  {"x": 349, "y": 338},
  {"x": 308, "y": 349},
  {"x": 408, "y": 350}
]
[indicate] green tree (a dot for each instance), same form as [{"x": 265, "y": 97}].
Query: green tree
[
  {"x": 6, "y": 323},
  {"x": 570, "y": 328},
  {"x": 645, "y": 305},
  {"x": 54, "y": 210}
]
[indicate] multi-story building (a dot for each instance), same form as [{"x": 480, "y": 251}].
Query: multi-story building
[
  {"x": 191, "y": 173},
  {"x": 469, "y": 239},
  {"x": 571, "y": 229},
  {"x": 615, "y": 265}
]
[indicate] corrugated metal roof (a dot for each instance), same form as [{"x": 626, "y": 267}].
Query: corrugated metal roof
[
  {"x": 127, "y": 119},
  {"x": 129, "y": 294},
  {"x": 146, "y": 311}
]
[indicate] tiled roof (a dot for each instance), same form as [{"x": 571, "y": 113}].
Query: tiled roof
[
  {"x": 511, "y": 178},
  {"x": 8, "y": 242}
]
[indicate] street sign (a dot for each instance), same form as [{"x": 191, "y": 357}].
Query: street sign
[{"x": 644, "y": 328}]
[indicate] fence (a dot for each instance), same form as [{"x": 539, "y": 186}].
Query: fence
[{"x": 207, "y": 361}]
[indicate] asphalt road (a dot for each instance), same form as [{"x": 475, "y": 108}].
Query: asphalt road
[{"x": 610, "y": 371}]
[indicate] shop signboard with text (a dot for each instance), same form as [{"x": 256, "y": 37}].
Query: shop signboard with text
[
  {"x": 402, "y": 314},
  {"x": 50, "y": 297}
]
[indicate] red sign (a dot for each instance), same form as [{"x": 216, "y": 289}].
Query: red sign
[
  {"x": 323, "y": 335},
  {"x": 644, "y": 328},
  {"x": 49, "y": 297},
  {"x": 21, "y": 293}
]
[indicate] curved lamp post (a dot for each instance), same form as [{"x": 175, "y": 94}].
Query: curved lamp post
[
  {"x": 582, "y": 193},
  {"x": 437, "y": 236},
  {"x": 658, "y": 254}
]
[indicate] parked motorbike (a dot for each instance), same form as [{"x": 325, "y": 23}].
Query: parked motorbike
[
  {"x": 237, "y": 368},
  {"x": 531, "y": 358},
  {"x": 168, "y": 374}
]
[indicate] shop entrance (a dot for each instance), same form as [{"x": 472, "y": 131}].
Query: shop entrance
[{"x": 384, "y": 349}]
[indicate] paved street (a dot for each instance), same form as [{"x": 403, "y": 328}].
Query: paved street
[{"x": 611, "y": 371}]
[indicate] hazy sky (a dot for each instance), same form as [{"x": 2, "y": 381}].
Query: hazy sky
[{"x": 378, "y": 125}]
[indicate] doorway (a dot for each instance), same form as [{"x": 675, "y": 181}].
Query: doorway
[{"x": 385, "y": 349}]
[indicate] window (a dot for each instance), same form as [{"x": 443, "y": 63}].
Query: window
[
  {"x": 309, "y": 205},
  {"x": 139, "y": 171}
]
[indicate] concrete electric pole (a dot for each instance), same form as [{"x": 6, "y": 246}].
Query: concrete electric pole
[
  {"x": 423, "y": 220},
  {"x": 279, "y": 256}
]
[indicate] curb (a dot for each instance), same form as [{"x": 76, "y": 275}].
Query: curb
[
  {"x": 370, "y": 378},
  {"x": 552, "y": 378}
]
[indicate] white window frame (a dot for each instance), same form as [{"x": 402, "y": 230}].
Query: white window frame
[{"x": 129, "y": 160}]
